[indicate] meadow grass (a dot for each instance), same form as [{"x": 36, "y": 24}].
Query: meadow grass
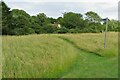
[
  {"x": 90, "y": 65},
  {"x": 94, "y": 42},
  {"x": 0, "y": 57},
  {"x": 36, "y": 56},
  {"x": 60, "y": 55}
]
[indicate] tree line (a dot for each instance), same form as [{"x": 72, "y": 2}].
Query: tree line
[{"x": 18, "y": 22}]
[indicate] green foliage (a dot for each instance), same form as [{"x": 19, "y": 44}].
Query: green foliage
[
  {"x": 52, "y": 20},
  {"x": 95, "y": 27},
  {"x": 18, "y": 22},
  {"x": 35, "y": 25},
  {"x": 71, "y": 20},
  {"x": 62, "y": 30},
  {"x": 0, "y": 17},
  {"x": 92, "y": 17},
  {"x": 6, "y": 19},
  {"x": 48, "y": 28},
  {"x": 42, "y": 19},
  {"x": 112, "y": 25}
]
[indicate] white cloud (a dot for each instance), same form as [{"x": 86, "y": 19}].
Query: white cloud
[
  {"x": 62, "y": 1},
  {"x": 56, "y": 8}
]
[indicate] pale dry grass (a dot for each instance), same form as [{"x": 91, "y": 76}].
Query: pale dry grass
[
  {"x": 46, "y": 55},
  {"x": 0, "y": 57},
  {"x": 94, "y": 42},
  {"x": 36, "y": 56}
]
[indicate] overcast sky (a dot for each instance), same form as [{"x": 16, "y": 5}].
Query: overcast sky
[{"x": 55, "y": 8}]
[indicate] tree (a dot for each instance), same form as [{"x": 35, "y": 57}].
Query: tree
[
  {"x": 43, "y": 20},
  {"x": 35, "y": 24},
  {"x": 112, "y": 25},
  {"x": 6, "y": 19},
  {"x": 48, "y": 28},
  {"x": 71, "y": 20},
  {"x": 62, "y": 30},
  {"x": 59, "y": 19},
  {"x": 20, "y": 23},
  {"x": 93, "y": 20},
  {"x": 0, "y": 17},
  {"x": 93, "y": 17},
  {"x": 52, "y": 20}
]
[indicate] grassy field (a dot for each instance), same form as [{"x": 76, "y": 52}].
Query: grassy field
[
  {"x": 0, "y": 57},
  {"x": 60, "y": 56}
]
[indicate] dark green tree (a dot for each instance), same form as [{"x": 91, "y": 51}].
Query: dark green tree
[
  {"x": 35, "y": 25},
  {"x": 52, "y": 20},
  {"x": 112, "y": 25},
  {"x": 72, "y": 20},
  {"x": 93, "y": 20},
  {"x": 20, "y": 23},
  {"x": 93, "y": 17},
  {"x": 6, "y": 19},
  {"x": 0, "y": 18},
  {"x": 43, "y": 19},
  {"x": 49, "y": 28}
]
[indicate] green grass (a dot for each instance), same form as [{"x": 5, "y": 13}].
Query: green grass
[
  {"x": 36, "y": 56},
  {"x": 95, "y": 43},
  {"x": 0, "y": 57},
  {"x": 60, "y": 55}
]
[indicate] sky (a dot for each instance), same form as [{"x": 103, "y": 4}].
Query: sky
[{"x": 56, "y": 8}]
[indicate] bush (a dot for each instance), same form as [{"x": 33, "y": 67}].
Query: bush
[
  {"x": 62, "y": 30},
  {"x": 49, "y": 29},
  {"x": 74, "y": 31},
  {"x": 22, "y": 31}
]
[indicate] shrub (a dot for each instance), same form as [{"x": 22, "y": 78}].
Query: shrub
[{"x": 62, "y": 30}]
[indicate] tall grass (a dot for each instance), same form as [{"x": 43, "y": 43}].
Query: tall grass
[
  {"x": 89, "y": 65},
  {"x": 36, "y": 56},
  {"x": 49, "y": 56},
  {"x": 0, "y": 57},
  {"x": 94, "y": 42}
]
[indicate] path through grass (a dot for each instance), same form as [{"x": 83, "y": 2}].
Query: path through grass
[
  {"x": 89, "y": 65},
  {"x": 60, "y": 56}
]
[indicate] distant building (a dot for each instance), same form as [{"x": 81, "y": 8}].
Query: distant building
[
  {"x": 56, "y": 25},
  {"x": 59, "y": 26}
]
